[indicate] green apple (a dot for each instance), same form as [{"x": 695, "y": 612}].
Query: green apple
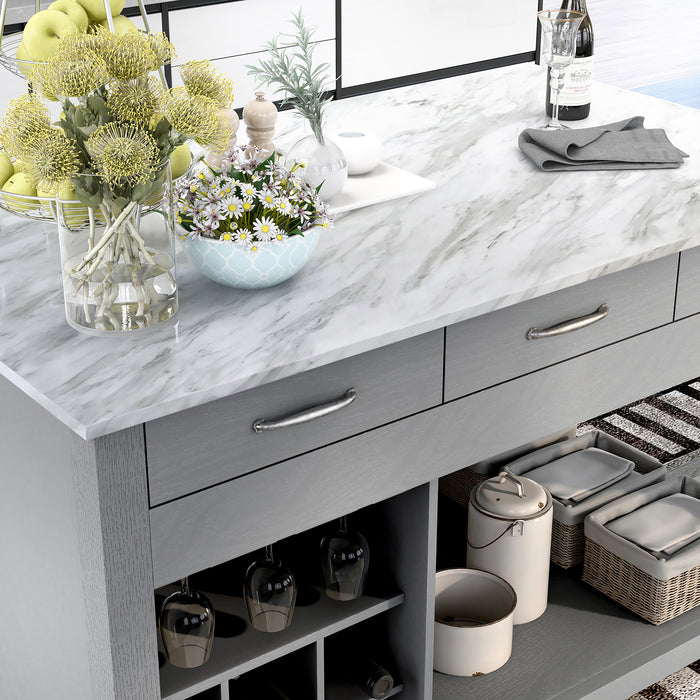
[
  {"x": 180, "y": 160},
  {"x": 44, "y": 31},
  {"x": 19, "y": 183},
  {"x": 122, "y": 25},
  {"x": 96, "y": 8},
  {"x": 25, "y": 62},
  {"x": 74, "y": 10},
  {"x": 75, "y": 214},
  {"x": 7, "y": 170}
]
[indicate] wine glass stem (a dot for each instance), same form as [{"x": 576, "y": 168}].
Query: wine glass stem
[
  {"x": 343, "y": 524},
  {"x": 268, "y": 553},
  {"x": 556, "y": 83}
]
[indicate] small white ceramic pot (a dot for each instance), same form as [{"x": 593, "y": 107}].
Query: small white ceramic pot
[
  {"x": 362, "y": 149},
  {"x": 473, "y": 622}
]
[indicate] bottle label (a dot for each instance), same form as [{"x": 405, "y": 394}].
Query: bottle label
[{"x": 578, "y": 83}]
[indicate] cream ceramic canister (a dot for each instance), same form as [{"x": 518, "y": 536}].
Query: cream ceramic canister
[{"x": 362, "y": 149}]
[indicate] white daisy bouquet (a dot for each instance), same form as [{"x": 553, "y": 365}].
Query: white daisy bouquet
[{"x": 249, "y": 201}]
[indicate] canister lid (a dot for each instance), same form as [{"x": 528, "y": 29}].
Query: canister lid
[{"x": 511, "y": 496}]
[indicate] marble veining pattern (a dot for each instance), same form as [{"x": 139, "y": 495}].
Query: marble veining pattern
[{"x": 495, "y": 232}]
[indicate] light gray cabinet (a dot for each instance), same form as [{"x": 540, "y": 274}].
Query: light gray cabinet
[{"x": 186, "y": 494}]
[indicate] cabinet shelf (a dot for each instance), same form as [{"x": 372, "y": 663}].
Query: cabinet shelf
[
  {"x": 234, "y": 656},
  {"x": 584, "y": 646},
  {"x": 343, "y": 691}
]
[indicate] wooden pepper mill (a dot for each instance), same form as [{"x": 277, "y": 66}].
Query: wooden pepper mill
[
  {"x": 260, "y": 116},
  {"x": 213, "y": 158}
]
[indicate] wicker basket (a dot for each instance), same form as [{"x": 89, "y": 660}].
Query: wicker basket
[
  {"x": 458, "y": 485},
  {"x": 567, "y": 530},
  {"x": 656, "y": 589},
  {"x": 651, "y": 598},
  {"x": 567, "y": 544}
]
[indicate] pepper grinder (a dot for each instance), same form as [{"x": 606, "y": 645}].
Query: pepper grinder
[
  {"x": 260, "y": 116},
  {"x": 213, "y": 158}
]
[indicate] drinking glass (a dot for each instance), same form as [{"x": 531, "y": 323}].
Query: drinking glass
[
  {"x": 559, "y": 31},
  {"x": 187, "y": 627},
  {"x": 344, "y": 562},
  {"x": 270, "y": 592}
]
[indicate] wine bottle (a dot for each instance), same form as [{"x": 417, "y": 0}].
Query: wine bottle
[
  {"x": 575, "y": 97},
  {"x": 373, "y": 679}
]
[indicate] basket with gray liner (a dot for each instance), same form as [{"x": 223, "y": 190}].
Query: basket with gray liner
[
  {"x": 458, "y": 485},
  {"x": 643, "y": 550},
  {"x": 600, "y": 468}
]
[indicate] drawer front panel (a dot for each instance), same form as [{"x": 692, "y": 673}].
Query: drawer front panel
[
  {"x": 235, "y": 518},
  {"x": 688, "y": 295},
  {"x": 495, "y": 347},
  {"x": 209, "y": 444}
]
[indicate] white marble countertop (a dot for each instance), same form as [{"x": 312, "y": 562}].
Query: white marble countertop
[{"x": 496, "y": 231}]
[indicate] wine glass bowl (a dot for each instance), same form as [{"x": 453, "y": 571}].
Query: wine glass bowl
[
  {"x": 558, "y": 47},
  {"x": 344, "y": 563},
  {"x": 270, "y": 592},
  {"x": 186, "y": 626}
]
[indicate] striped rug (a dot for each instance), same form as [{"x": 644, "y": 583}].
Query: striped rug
[
  {"x": 682, "y": 685},
  {"x": 666, "y": 426}
]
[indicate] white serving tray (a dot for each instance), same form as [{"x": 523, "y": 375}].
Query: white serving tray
[{"x": 385, "y": 182}]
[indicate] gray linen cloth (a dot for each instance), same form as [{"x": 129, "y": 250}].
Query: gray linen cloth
[{"x": 624, "y": 145}]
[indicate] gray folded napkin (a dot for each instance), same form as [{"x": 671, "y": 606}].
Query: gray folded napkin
[
  {"x": 624, "y": 145},
  {"x": 578, "y": 475},
  {"x": 661, "y": 527}
]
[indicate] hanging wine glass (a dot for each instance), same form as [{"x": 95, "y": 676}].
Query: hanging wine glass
[
  {"x": 559, "y": 32},
  {"x": 344, "y": 562},
  {"x": 187, "y": 627},
  {"x": 270, "y": 592}
]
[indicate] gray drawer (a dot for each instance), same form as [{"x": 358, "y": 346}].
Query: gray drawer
[
  {"x": 493, "y": 348},
  {"x": 688, "y": 294},
  {"x": 209, "y": 444}
]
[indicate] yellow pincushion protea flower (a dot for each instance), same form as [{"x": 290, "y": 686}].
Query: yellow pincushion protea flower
[
  {"x": 201, "y": 78},
  {"x": 135, "y": 100},
  {"x": 123, "y": 154},
  {"x": 71, "y": 74},
  {"x": 128, "y": 56},
  {"x": 25, "y": 121},
  {"x": 197, "y": 117},
  {"x": 52, "y": 161}
]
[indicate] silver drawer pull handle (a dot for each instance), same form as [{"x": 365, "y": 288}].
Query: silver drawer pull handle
[
  {"x": 572, "y": 325},
  {"x": 262, "y": 424}
]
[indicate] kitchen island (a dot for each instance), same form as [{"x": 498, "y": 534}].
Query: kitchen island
[{"x": 130, "y": 461}]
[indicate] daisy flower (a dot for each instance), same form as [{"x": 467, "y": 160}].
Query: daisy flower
[
  {"x": 283, "y": 205},
  {"x": 248, "y": 192},
  {"x": 265, "y": 229},
  {"x": 266, "y": 198},
  {"x": 243, "y": 237},
  {"x": 233, "y": 206},
  {"x": 280, "y": 237}
]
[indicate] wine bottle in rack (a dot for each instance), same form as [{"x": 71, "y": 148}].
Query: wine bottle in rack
[
  {"x": 575, "y": 96},
  {"x": 373, "y": 679}
]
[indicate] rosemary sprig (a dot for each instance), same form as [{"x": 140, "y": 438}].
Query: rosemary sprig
[{"x": 290, "y": 67}]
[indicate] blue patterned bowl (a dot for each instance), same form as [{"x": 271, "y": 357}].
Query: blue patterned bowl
[{"x": 230, "y": 265}]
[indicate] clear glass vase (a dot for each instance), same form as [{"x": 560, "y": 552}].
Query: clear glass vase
[
  {"x": 118, "y": 264},
  {"x": 186, "y": 626},
  {"x": 344, "y": 562},
  {"x": 324, "y": 164},
  {"x": 270, "y": 593}
]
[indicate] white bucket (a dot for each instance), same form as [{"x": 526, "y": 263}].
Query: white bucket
[{"x": 473, "y": 622}]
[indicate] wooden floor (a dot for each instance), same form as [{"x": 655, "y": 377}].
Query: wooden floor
[{"x": 645, "y": 42}]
